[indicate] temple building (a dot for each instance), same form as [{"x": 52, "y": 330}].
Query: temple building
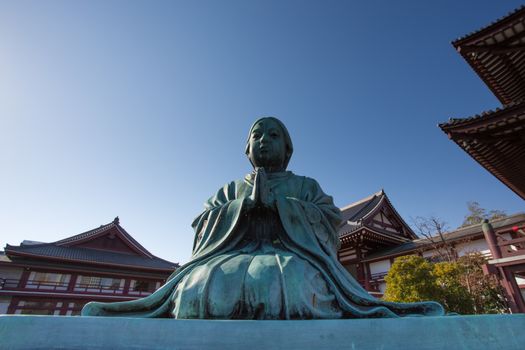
[
  {"x": 370, "y": 225},
  {"x": 373, "y": 234},
  {"x": 103, "y": 264},
  {"x": 496, "y": 139}
]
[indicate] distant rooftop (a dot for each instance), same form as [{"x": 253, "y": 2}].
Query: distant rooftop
[
  {"x": 356, "y": 214},
  {"x": 80, "y": 248},
  {"x": 496, "y": 54},
  {"x": 28, "y": 242},
  {"x": 456, "y": 235},
  {"x": 495, "y": 139}
]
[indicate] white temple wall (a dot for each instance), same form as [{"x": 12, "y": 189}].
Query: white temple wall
[
  {"x": 429, "y": 254},
  {"x": 8, "y": 272},
  {"x": 4, "y": 304},
  {"x": 380, "y": 266},
  {"x": 479, "y": 245}
]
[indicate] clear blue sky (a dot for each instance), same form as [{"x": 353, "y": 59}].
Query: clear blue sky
[{"x": 141, "y": 108}]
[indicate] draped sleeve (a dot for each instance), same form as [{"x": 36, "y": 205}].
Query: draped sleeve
[
  {"x": 215, "y": 226},
  {"x": 309, "y": 222},
  {"x": 214, "y": 230},
  {"x": 311, "y": 219},
  {"x": 322, "y": 214}
]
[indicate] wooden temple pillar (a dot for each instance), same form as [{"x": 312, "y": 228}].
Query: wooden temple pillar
[
  {"x": 492, "y": 241},
  {"x": 505, "y": 273},
  {"x": 362, "y": 275},
  {"x": 515, "y": 299},
  {"x": 368, "y": 278}
]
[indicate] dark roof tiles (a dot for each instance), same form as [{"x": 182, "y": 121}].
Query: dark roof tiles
[
  {"x": 358, "y": 210},
  {"x": 354, "y": 214},
  {"x": 488, "y": 27},
  {"x": 86, "y": 234},
  {"x": 65, "y": 249},
  {"x": 496, "y": 54},
  {"x": 455, "y": 122},
  {"x": 459, "y": 234},
  {"x": 86, "y": 255},
  {"x": 496, "y": 141}
]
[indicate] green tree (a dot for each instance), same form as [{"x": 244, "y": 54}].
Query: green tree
[
  {"x": 411, "y": 279},
  {"x": 433, "y": 229},
  {"x": 476, "y": 214},
  {"x": 460, "y": 286},
  {"x": 453, "y": 294},
  {"x": 485, "y": 290}
]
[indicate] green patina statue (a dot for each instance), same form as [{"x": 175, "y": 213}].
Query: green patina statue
[{"x": 265, "y": 248}]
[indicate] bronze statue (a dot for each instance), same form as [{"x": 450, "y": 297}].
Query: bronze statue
[{"x": 265, "y": 248}]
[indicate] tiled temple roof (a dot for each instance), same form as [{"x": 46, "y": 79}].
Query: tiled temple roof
[
  {"x": 488, "y": 27},
  {"x": 453, "y": 236},
  {"x": 66, "y": 250},
  {"x": 496, "y": 140},
  {"x": 355, "y": 214},
  {"x": 496, "y": 53},
  {"x": 73, "y": 254}
]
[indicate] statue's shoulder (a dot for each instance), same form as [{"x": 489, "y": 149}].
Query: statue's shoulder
[
  {"x": 241, "y": 183},
  {"x": 306, "y": 181},
  {"x": 241, "y": 187},
  {"x": 233, "y": 184},
  {"x": 310, "y": 180},
  {"x": 303, "y": 184}
]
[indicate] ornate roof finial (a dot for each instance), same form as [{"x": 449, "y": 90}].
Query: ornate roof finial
[{"x": 116, "y": 221}]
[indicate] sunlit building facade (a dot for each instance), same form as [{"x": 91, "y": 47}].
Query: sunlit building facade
[{"x": 103, "y": 264}]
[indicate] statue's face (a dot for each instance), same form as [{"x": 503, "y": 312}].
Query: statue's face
[{"x": 267, "y": 146}]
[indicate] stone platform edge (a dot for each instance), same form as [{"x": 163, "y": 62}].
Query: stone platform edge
[{"x": 450, "y": 332}]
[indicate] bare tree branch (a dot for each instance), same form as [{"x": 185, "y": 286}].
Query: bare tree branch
[{"x": 433, "y": 229}]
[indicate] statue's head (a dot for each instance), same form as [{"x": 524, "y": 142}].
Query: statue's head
[{"x": 269, "y": 145}]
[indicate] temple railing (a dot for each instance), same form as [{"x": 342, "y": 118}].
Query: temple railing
[
  {"x": 374, "y": 281},
  {"x": 378, "y": 277},
  {"x": 511, "y": 247},
  {"x": 374, "y": 278},
  {"x": 67, "y": 287}
]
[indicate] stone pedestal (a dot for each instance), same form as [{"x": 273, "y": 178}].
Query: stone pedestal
[{"x": 451, "y": 332}]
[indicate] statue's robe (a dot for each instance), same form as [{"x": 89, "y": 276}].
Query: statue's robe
[{"x": 302, "y": 247}]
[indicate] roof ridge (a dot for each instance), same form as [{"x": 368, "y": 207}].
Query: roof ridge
[
  {"x": 383, "y": 196},
  {"x": 134, "y": 241},
  {"x": 7, "y": 245},
  {"x": 400, "y": 217},
  {"x": 490, "y": 221},
  {"x": 486, "y": 113},
  {"x": 86, "y": 235},
  {"x": 73, "y": 238},
  {"x": 459, "y": 229},
  {"x": 372, "y": 196},
  {"x": 488, "y": 26},
  {"x": 102, "y": 228},
  {"x": 89, "y": 255}
]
